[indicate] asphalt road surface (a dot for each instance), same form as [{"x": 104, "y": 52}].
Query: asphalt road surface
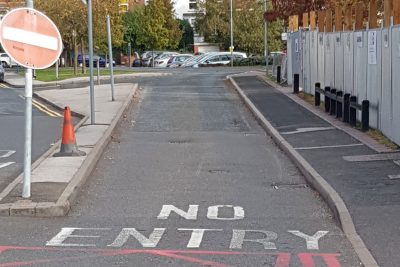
[
  {"x": 46, "y": 131},
  {"x": 190, "y": 179}
]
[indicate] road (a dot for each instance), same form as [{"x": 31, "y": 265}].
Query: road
[
  {"x": 190, "y": 179},
  {"x": 46, "y": 131}
]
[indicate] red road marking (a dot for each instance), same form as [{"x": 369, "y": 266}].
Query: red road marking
[
  {"x": 282, "y": 258},
  {"x": 307, "y": 259}
]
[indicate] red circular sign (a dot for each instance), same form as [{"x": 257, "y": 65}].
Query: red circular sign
[{"x": 30, "y": 38}]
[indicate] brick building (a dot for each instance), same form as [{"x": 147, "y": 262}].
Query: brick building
[{"x": 6, "y": 5}]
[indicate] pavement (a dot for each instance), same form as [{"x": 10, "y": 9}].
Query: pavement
[
  {"x": 356, "y": 176},
  {"x": 56, "y": 180},
  {"x": 45, "y": 132}
]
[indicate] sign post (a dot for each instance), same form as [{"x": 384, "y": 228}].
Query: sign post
[
  {"x": 32, "y": 40},
  {"x": 110, "y": 57}
]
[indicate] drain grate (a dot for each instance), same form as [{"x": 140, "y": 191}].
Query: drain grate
[
  {"x": 180, "y": 141},
  {"x": 288, "y": 186},
  {"x": 218, "y": 171}
]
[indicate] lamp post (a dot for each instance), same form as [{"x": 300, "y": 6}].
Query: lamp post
[
  {"x": 231, "y": 47},
  {"x": 90, "y": 35},
  {"x": 265, "y": 39}
]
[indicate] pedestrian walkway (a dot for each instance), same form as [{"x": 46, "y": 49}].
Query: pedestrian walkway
[{"x": 367, "y": 184}]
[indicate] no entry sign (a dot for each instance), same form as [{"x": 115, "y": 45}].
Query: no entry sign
[{"x": 30, "y": 38}]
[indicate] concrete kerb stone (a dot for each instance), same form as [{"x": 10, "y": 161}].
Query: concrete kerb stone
[
  {"x": 70, "y": 193},
  {"x": 334, "y": 201}
]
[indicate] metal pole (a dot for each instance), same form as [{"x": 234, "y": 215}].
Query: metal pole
[
  {"x": 129, "y": 54},
  {"x": 57, "y": 69},
  {"x": 90, "y": 34},
  {"x": 231, "y": 48},
  {"x": 98, "y": 70},
  {"x": 26, "y": 188},
  {"x": 111, "y": 57},
  {"x": 266, "y": 39}
]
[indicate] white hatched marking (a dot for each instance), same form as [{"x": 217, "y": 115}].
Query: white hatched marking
[
  {"x": 6, "y": 154},
  {"x": 3, "y": 165},
  {"x": 311, "y": 129},
  {"x": 321, "y": 147}
]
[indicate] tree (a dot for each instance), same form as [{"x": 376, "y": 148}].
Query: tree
[
  {"x": 213, "y": 22},
  {"x": 133, "y": 24},
  {"x": 161, "y": 28},
  {"x": 70, "y": 16},
  {"x": 187, "y": 36}
]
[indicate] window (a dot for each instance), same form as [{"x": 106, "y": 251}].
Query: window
[
  {"x": 193, "y": 5},
  {"x": 224, "y": 58},
  {"x": 213, "y": 59}
]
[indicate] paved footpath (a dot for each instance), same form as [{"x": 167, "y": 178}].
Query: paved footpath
[
  {"x": 359, "y": 174},
  {"x": 190, "y": 179}
]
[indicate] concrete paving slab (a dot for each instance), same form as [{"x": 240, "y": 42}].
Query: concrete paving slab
[
  {"x": 89, "y": 135},
  {"x": 57, "y": 170}
]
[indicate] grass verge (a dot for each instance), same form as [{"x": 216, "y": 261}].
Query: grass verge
[{"x": 49, "y": 75}]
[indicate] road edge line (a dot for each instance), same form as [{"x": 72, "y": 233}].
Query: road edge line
[{"x": 332, "y": 198}]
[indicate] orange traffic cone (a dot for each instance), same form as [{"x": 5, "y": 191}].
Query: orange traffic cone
[{"x": 68, "y": 143}]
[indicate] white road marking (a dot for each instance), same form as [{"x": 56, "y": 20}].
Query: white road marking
[
  {"x": 309, "y": 129},
  {"x": 30, "y": 38},
  {"x": 3, "y": 165},
  {"x": 67, "y": 232},
  {"x": 197, "y": 236},
  {"x": 322, "y": 147},
  {"x": 394, "y": 177},
  {"x": 150, "y": 242},
  {"x": 238, "y": 238},
  {"x": 311, "y": 241},
  {"x": 212, "y": 213},
  {"x": 7, "y": 153},
  {"x": 166, "y": 210}
]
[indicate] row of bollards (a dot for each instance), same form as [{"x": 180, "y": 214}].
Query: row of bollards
[{"x": 343, "y": 105}]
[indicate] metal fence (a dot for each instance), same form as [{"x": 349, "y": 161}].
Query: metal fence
[{"x": 365, "y": 64}]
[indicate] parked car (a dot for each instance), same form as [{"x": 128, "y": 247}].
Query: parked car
[
  {"x": 214, "y": 58},
  {"x": 162, "y": 60},
  {"x": 177, "y": 61},
  {"x": 102, "y": 61},
  {"x": 1, "y": 73},
  {"x": 6, "y": 61},
  {"x": 147, "y": 57}
]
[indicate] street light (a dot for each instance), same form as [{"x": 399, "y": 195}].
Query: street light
[
  {"x": 265, "y": 39},
  {"x": 90, "y": 34},
  {"x": 231, "y": 47}
]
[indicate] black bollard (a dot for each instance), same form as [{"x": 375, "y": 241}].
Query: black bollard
[
  {"x": 339, "y": 106},
  {"x": 327, "y": 99},
  {"x": 296, "y": 83},
  {"x": 332, "y": 111},
  {"x": 365, "y": 115},
  {"x": 353, "y": 111},
  {"x": 278, "y": 74},
  {"x": 317, "y": 98},
  {"x": 346, "y": 107}
]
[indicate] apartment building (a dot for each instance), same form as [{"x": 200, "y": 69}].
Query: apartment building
[{"x": 126, "y": 5}]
